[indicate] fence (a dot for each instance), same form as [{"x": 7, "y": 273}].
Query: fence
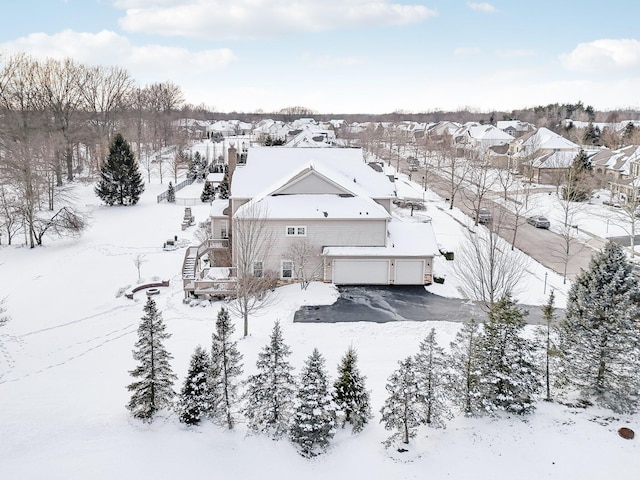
[{"x": 184, "y": 183}]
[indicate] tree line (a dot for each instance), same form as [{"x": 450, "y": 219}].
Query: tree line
[
  {"x": 57, "y": 119},
  {"x": 588, "y": 357}
]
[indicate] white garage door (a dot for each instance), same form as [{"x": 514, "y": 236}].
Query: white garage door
[
  {"x": 409, "y": 272},
  {"x": 361, "y": 272}
]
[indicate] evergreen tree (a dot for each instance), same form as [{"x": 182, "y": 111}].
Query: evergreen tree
[
  {"x": 171, "y": 193},
  {"x": 226, "y": 368},
  {"x": 197, "y": 166},
  {"x": 629, "y": 132},
  {"x": 314, "y": 418},
  {"x": 193, "y": 404},
  {"x": 120, "y": 179},
  {"x": 403, "y": 410},
  {"x": 464, "y": 360},
  {"x": 599, "y": 336},
  {"x": 270, "y": 393},
  {"x": 577, "y": 188},
  {"x": 208, "y": 192},
  {"x": 431, "y": 369},
  {"x": 223, "y": 188},
  {"x": 350, "y": 394},
  {"x": 154, "y": 388},
  {"x": 547, "y": 342},
  {"x": 508, "y": 373}
]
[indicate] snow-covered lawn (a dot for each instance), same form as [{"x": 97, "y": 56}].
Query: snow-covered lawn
[{"x": 65, "y": 357}]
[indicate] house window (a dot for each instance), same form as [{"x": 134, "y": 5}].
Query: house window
[
  {"x": 296, "y": 231},
  {"x": 287, "y": 269},
  {"x": 223, "y": 230},
  {"x": 257, "y": 269}
]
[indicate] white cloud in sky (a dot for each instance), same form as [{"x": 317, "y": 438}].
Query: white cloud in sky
[
  {"x": 109, "y": 48},
  {"x": 604, "y": 56},
  {"x": 482, "y": 7},
  {"x": 467, "y": 51},
  {"x": 233, "y": 19}
]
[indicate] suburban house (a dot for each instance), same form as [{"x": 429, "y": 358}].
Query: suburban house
[
  {"x": 319, "y": 213},
  {"x": 623, "y": 171},
  {"x": 543, "y": 155}
]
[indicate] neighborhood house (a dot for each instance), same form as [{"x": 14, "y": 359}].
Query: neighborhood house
[{"x": 308, "y": 213}]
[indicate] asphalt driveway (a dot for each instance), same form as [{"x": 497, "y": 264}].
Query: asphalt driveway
[{"x": 381, "y": 304}]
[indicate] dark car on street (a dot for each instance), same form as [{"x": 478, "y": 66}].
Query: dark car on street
[{"x": 539, "y": 221}]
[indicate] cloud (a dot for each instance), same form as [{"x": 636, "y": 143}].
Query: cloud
[
  {"x": 604, "y": 56},
  {"x": 482, "y": 7},
  {"x": 327, "y": 61},
  {"x": 515, "y": 53},
  {"x": 109, "y": 48},
  {"x": 467, "y": 51},
  {"x": 240, "y": 19}
]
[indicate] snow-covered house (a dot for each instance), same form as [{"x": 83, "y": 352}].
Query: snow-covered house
[
  {"x": 543, "y": 155},
  {"x": 515, "y": 128},
  {"x": 333, "y": 203}
]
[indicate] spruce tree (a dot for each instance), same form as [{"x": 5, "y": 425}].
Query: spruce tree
[
  {"x": 193, "y": 404},
  {"x": 599, "y": 336},
  {"x": 120, "y": 179},
  {"x": 350, "y": 394},
  {"x": 431, "y": 369},
  {"x": 226, "y": 368},
  {"x": 577, "y": 188},
  {"x": 171, "y": 193},
  {"x": 314, "y": 418},
  {"x": 403, "y": 410},
  {"x": 208, "y": 192},
  {"x": 464, "y": 360},
  {"x": 508, "y": 373},
  {"x": 153, "y": 389},
  {"x": 546, "y": 337},
  {"x": 269, "y": 394},
  {"x": 223, "y": 188}
]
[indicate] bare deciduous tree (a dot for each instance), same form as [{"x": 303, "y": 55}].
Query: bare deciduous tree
[
  {"x": 251, "y": 241},
  {"x": 306, "y": 262},
  {"x": 487, "y": 266}
]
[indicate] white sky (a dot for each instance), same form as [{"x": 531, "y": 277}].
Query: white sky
[{"x": 349, "y": 56}]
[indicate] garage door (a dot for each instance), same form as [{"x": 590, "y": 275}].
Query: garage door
[
  {"x": 361, "y": 272},
  {"x": 409, "y": 272}
]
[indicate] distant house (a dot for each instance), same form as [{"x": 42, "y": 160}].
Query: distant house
[
  {"x": 543, "y": 155},
  {"x": 332, "y": 201},
  {"x": 515, "y": 128}
]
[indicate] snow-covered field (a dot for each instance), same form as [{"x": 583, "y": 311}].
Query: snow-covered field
[{"x": 66, "y": 353}]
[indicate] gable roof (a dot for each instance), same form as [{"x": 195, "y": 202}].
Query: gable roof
[{"x": 268, "y": 168}]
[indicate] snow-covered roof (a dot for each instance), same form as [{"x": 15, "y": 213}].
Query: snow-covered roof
[
  {"x": 218, "y": 207},
  {"x": 267, "y": 166},
  {"x": 545, "y": 139},
  {"x": 406, "y": 239},
  {"x": 560, "y": 159},
  {"x": 489, "y": 132},
  {"x": 309, "y": 207}
]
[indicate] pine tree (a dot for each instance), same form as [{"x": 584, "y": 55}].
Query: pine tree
[
  {"x": 350, "y": 394},
  {"x": 431, "y": 369},
  {"x": 270, "y": 393},
  {"x": 546, "y": 337},
  {"x": 223, "y": 187},
  {"x": 197, "y": 166},
  {"x": 577, "y": 188},
  {"x": 120, "y": 179},
  {"x": 171, "y": 193},
  {"x": 314, "y": 418},
  {"x": 599, "y": 336},
  {"x": 208, "y": 192},
  {"x": 464, "y": 359},
  {"x": 508, "y": 373},
  {"x": 403, "y": 410},
  {"x": 226, "y": 368},
  {"x": 193, "y": 404},
  {"x": 154, "y": 388}
]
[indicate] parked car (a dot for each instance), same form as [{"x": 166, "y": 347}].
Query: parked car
[
  {"x": 484, "y": 216},
  {"x": 539, "y": 221}
]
